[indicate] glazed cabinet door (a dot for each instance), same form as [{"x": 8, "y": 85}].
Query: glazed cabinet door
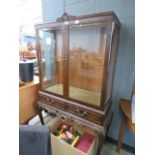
[
  {"x": 87, "y": 60},
  {"x": 50, "y": 47}
]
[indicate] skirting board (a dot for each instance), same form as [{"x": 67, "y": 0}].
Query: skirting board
[{"x": 124, "y": 146}]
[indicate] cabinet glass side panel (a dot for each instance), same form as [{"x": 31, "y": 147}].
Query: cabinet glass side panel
[
  {"x": 86, "y": 60},
  {"x": 112, "y": 58},
  {"x": 51, "y": 51}
]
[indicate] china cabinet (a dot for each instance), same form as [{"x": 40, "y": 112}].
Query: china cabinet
[{"x": 76, "y": 56}]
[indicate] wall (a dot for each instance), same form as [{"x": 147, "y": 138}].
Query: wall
[{"x": 125, "y": 63}]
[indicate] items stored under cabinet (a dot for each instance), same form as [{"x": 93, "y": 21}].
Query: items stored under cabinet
[{"x": 72, "y": 138}]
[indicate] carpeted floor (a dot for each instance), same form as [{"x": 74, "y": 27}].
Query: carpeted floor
[{"x": 110, "y": 149}]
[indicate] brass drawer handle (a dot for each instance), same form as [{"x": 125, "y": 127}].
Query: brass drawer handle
[
  {"x": 82, "y": 114},
  {"x": 52, "y": 101}
]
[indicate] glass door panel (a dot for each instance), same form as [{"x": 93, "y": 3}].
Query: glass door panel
[
  {"x": 51, "y": 51},
  {"x": 86, "y": 60}
]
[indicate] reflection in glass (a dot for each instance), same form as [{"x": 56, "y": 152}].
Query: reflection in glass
[
  {"x": 51, "y": 49},
  {"x": 86, "y": 61}
]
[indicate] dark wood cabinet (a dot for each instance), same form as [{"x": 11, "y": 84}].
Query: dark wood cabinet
[{"x": 76, "y": 56}]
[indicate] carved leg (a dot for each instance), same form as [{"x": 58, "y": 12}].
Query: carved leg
[
  {"x": 121, "y": 133},
  {"x": 101, "y": 141},
  {"x": 41, "y": 117},
  {"x": 108, "y": 128}
]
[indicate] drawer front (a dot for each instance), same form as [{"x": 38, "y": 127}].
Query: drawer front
[
  {"x": 84, "y": 113},
  {"x": 56, "y": 104},
  {"x": 44, "y": 99},
  {"x": 52, "y": 102},
  {"x": 81, "y": 112}
]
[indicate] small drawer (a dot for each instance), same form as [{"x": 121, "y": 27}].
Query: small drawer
[
  {"x": 89, "y": 115},
  {"x": 44, "y": 98},
  {"x": 52, "y": 102},
  {"x": 56, "y": 104},
  {"x": 70, "y": 108}
]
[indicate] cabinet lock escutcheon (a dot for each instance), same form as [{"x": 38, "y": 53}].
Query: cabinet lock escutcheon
[{"x": 65, "y": 58}]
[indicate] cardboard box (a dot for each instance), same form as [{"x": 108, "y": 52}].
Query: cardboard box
[{"x": 60, "y": 147}]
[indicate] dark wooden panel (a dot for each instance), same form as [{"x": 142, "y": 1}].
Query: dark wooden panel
[{"x": 77, "y": 110}]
